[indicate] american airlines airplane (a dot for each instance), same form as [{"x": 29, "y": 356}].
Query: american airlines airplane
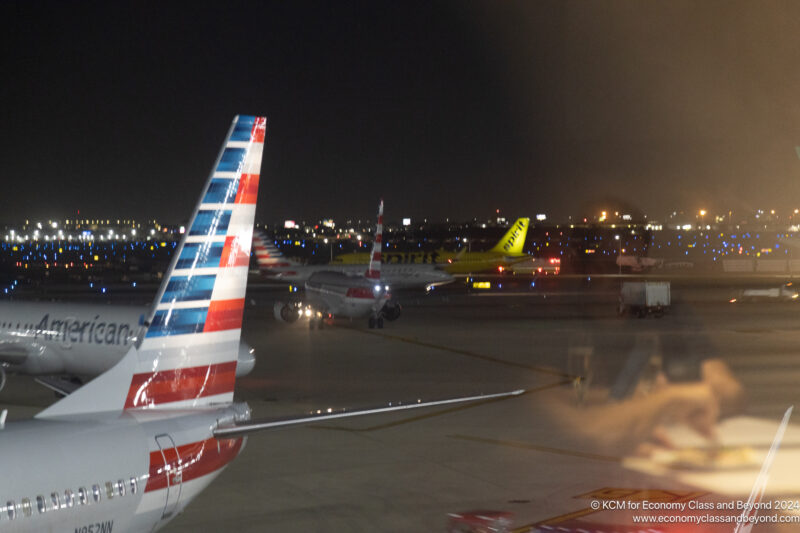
[
  {"x": 330, "y": 293},
  {"x": 46, "y": 339},
  {"x": 130, "y": 449}
]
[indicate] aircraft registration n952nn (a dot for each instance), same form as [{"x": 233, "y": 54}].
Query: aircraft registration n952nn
[{"x": 130, "y": 449}]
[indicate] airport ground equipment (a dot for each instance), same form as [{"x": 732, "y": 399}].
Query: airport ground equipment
[
  {"x": 784, "y": 293},
  {"x": 641, "y": 298}
]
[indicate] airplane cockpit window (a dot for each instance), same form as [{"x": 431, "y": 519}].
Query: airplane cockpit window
[
  {"x": 134, "y": 485},
  {"x": 83, "y": 497},
  {"x": 26, "y": 507},
  {"x": 11, "y": 509},
  {"x": 40, "y": 504},
  {"x": 55, "y": 500},
  {"x": 69, "y": 498},
  {"x": 96, "y": 492}
]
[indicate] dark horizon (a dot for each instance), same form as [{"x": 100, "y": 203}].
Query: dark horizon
[{"x": 444, "y": 109}]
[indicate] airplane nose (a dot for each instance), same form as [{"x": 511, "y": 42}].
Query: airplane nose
[{"x": 246, "y": 360}]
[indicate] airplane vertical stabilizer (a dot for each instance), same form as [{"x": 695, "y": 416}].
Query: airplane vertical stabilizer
[
  {"x": 512, "y": 242},
  {"x": 269, "y": 258},
  {"x": 187, "y": 356},
  {"x": 374, "y": 268}
]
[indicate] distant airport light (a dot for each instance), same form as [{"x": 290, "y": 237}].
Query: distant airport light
[
  {"x": 289, "y": 224},
  {"x": 626, "y": 217},
  {"x": 406, "y": 221},
  {"x": 702, "y": 212},
  {"x": 182, "y": 230},
  {"x": 541, "y": 216}
]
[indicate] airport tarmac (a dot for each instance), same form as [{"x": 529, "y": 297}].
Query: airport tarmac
[{"x": 405, "y": 472}]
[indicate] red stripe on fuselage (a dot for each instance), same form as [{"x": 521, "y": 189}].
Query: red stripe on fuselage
[
  {"x": 361, "y": 293},
  {"x": 150, "y": 389},
  {"x": 248, "y": 189},
  {"x": 235, "y": 253},
  {"x": 224, "y": 314},
  {"x": 191, "y": 461}
]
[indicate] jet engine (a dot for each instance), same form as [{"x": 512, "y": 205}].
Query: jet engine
[
  {"x": 391, "y": 311},
  {"x": 286, "y": 312}
]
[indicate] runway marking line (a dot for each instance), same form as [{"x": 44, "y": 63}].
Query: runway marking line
[
  {"x": 436, "y": 413},
  {"x": 409, "y": 340}
]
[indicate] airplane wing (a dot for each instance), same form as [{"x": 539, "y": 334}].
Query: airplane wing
[{"x": 319, "y": 416}]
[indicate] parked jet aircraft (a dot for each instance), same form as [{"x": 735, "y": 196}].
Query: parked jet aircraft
[
  {"x": 275, "y": 266},
  {"x": 129, "y": 450},
  {"x": 507, "y": 251},
  {"x": 336, "y": 293},
  {"x": 47, "y": 339}
]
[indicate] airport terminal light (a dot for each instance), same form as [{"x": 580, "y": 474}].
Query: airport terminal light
[{"x": 406, "y": 221}]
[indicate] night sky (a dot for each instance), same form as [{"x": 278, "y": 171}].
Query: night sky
[{"x": 446, "y": 109}]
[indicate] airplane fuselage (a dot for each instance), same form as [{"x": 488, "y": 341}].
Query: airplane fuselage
[
  {"x": 42, "y": 338},
  {"x": 346, "y": 296},
  {"x": 397, "y": 276},
  {"x": 146, "y": 466},
  {"x": 449, "y": 262}
]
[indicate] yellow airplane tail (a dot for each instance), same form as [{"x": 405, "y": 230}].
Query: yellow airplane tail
[{"x": 514, "y": 239}]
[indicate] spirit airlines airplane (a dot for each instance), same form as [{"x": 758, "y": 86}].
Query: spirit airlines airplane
[
  {"x": 48, "y": 339},
  {"x": 507, "y": 251},
  {"x": 129, "y": 450},
  {"x": 338, "y": 293}
]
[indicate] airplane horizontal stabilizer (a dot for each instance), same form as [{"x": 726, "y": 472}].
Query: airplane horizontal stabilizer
[
  {"x": 58, "y": 384},
  {"x": 253, "y": 426}
]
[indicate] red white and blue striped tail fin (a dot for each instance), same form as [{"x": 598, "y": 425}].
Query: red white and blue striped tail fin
[
  {"x": 187, "y": 356},
  {"x": 269, "y": 258},
  {"x": 374, "y": 268}
]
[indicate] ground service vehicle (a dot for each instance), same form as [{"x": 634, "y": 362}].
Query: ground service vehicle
[{"x": 641, "y": 298}]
